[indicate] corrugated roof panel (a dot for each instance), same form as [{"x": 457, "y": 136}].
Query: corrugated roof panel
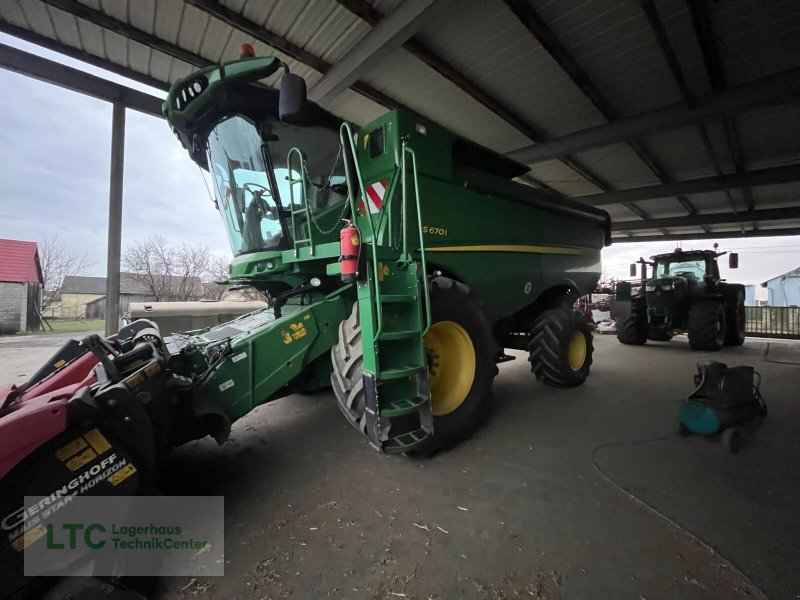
[
  {"x": 192, "y": 31},
  {"x": 563, "y": 179},
  {"x": 38, "y": 18},
  {"x": 677, "y": 22},
  {"x": 662, "y": 208},
  {"x": 334, "y": 37},
  {"x": 422, "y": 89},
  {"x": 770, "y": 136},
  {"x": 614, "y": 44},
  {"x": 143, "y": 15},
  {"x": 682, "y": 153},
  {"x": 66, "y": 27},
  {"x": 487, "y": 43},
  {"x": 776, "y": 196},
  {"x": 160, "y": 66},
  {"x": 254, "y": 11},
  {"x": 168, "y": 19},
  {"x": 619, "y": 166},
  {"x": 756, "y": 38},
  {"x": 12, "y": 13},
  {"x": 116, "y": 47},
  {"x": 139, "y": 57},
  {"x": 92, "y": 39},
  {"x": 355, "y": 108},
  {"x": 282, "y": 16},
  {"x": 117, "y": 9},
  {"x": 216, "y": 39}
]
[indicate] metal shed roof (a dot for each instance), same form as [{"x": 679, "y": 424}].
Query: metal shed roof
[{"x": 692, "y": 103}]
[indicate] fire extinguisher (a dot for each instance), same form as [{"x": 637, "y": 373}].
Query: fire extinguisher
[{"x": 350, "y": 248}]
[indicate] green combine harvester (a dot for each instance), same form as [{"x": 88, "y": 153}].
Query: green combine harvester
[{"x": 400, "y": 260}]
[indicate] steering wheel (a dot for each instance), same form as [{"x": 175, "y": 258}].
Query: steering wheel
[{"x": 259, "y": 191}]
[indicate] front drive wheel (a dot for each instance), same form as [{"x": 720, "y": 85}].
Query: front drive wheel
[
  {"x": 737, "y": 320},
  {"x": 707, "y": 325},
  {"x": 561, "y": 348},
  {"x": 461, "y": 364}
]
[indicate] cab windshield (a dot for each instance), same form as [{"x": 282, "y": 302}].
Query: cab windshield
[
  {"x": 691, "y": 269},
  {"x": 254, "y": 201}
]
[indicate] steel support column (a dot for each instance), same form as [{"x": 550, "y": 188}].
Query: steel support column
[{"x": 115, "y": 218}]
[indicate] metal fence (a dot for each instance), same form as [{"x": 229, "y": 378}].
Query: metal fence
[{"x": 773, "y": 321}]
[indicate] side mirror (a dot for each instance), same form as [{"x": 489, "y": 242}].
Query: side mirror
[
  {"x": 292, "y": 101},
  {"x": 733, "y": 260},
  {"x": 633, "y": 269}
]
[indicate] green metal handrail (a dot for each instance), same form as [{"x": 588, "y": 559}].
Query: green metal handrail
[
  {"x": 410, "y": 152},
  {"x": 346, "y": 133},
  {"x": 303, "y": 200}
]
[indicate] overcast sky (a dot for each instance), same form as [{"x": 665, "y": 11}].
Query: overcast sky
[{"x": 54, "y": 169}]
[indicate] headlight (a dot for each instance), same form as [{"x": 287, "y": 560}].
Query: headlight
[
  {"x": 650, "y": 287},
  {"x": 668, "y": 287}
]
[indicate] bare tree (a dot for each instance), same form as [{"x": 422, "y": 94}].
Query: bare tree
[
  {"x": 217, "y": 271},
  {"x": 58, "y": 261},
  {"x": 168, "y": 272}
]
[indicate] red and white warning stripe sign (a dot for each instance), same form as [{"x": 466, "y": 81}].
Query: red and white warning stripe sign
[{"x": 375, "y": 193}]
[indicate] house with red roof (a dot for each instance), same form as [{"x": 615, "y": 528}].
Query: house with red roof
[{"x": 21, "y": 285}]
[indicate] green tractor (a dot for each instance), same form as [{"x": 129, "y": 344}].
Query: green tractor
[{"x": 684, "y": 294}]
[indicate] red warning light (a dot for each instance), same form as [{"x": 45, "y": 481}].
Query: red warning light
[{"x": 246, "y": 51}]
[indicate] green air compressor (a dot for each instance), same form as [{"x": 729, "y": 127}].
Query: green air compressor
[{"x": 725, "y": 399}]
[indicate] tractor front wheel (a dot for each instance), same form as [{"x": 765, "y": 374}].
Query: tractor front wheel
[
  {"x": 707, "y": 325},
  {"x": 633, "y": 329},
  {"x": 561, "y": 348},
  {"x": 736, "y": 319}
]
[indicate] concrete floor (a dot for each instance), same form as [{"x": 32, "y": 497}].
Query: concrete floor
[{"x": 553, "y": 498}]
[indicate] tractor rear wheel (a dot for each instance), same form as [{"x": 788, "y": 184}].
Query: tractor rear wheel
[
  {"x": 461, "y": 350},
  {"x": 561, "y": 348},
  {"x": 633, "y": 329},
  {"x": 736, "y": 318},
  {"x": 707, "y": 325}
]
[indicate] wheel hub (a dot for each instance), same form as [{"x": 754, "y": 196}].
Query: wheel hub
[
  {"x": 451, "y": 365},
  {"x": 576, "y": 351}
]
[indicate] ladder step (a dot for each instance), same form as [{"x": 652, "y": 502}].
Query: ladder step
[
  {"x": 404, "y": 443},
  {"x": 399, "y": 373},
  {"x": 398, "y": 335},
  {"x": 397, "y": 298},
  {"x": 398, "y": 408}
]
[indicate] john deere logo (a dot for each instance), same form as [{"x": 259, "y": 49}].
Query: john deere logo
[{"x": 298, "y": 330}]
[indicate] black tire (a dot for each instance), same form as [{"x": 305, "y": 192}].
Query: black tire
[
  {"x": 633, "y": 329},
  {"x": 659, "y": 335},
  {"x": 450, "y": 301},
  {"x": 707, "y": 325},
  {"x": 549, "y": 347},
  {"x": 736, "y": 318}
]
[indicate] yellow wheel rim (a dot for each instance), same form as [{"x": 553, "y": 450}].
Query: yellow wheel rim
[
  {"x": 576, "y": 353},
  {"x": 451, "y": 358}
]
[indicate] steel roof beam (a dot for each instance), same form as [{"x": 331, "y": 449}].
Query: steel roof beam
[
  {"x": 531, "y": 20},
  {"x": 386, "y": 37},
  {"x": 718, "y": 235},
  {"x": 782, "y": 87},
  {"x": 769, "y": 214},
  {"x": 69, "y": 78},
  {"x": 716, "y": 183},
  {"x": 369, "y": 14},
  {"x": 701, "y": 23},
  {"x": 81, "y": 55},
  {"x": 668, "y": 52},
  {"x": 101, "y": 19},
  {"x": 237, "y": 21}
]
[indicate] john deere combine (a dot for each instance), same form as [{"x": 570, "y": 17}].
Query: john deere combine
[{"x": 401, "y": 260}]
